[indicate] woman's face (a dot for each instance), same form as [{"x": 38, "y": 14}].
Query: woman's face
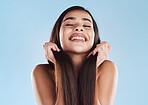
[{"x": 76, "y": 32}]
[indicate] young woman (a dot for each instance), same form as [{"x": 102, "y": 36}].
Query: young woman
[{"x": 78, "y": 72}]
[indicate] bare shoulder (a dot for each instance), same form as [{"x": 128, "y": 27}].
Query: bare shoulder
[
  {"x": 107, "y": 82},
  {"x": 108, "y": 66},
  {"x": 44, "y": 69},
  {"x": 42, "y": 78}
]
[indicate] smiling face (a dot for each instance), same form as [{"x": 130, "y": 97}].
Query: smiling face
[{"x": 76, "y": 32}]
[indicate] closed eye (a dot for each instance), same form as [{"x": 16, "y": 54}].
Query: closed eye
[
  {"x": 69, "y": 25},
  {"x": 73, "y": 25},
  {"x": 86, "y": 26}
]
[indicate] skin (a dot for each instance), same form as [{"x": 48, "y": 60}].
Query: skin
[
  {"x": 106, "y": 71},
  {"x": 76, "y": 50}
]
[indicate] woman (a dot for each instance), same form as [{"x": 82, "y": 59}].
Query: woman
[{"x": 78, "y": 72}]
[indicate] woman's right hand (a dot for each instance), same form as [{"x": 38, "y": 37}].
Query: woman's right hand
[{"x": 48, "y": 52}]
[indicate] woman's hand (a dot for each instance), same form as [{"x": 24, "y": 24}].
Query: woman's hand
[
  {"x": 103, "y": 50},
  {"x": 48, "y": 52}
]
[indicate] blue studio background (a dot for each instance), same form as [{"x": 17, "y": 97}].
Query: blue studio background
[{"x": 25, "y": 25}]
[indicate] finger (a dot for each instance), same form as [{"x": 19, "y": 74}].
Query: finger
[
  {"x": 103, "y": 42},
  {"x": 49, "y": 52},
  {"x": 105, "y": 49},
  {"x": 92, "y": 52},
  {"x": 109, "y": 47},
  {"x": 98, "y": 45},
  {"x": 95, "y": 52},
  {"x": 89, "y": 54},
  {"x": 97, "y": 49},
  {"x": 52, "y": 47},
  {"x": 57, "y": 48},
  {"x": 45, "y": 49},
  {"x": 102, "y": 56},
  {"x": 46, "y": 43}
]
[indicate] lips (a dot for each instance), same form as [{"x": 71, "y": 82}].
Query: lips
[{"x": 77, "y": 35}]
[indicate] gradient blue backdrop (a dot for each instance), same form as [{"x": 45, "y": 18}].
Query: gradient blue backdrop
[{"x": 25, "y": 25}]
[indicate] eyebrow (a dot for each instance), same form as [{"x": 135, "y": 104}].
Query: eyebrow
[{"x": 73, "y": 18}]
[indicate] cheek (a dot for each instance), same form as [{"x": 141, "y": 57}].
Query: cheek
[
  {"x": 64, "y": 34},
  {"x": 63, "y": 37},
  {"x": 92, "y": 35},
  {"x": 66, "y": 31}
]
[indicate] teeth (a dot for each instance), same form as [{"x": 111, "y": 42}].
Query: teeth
[{"x": 81, "y": 38}]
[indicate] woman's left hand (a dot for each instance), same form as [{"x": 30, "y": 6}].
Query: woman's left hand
[{"x": 103, "y": 50}]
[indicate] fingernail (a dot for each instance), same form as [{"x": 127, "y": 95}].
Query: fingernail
[
  {"x": 54, "y": 49},
  {"x": 94, "y": 53}
]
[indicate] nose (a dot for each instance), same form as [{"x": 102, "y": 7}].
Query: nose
[{"x": 78, "y": 28}]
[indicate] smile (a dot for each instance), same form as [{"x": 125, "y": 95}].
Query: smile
[
  {"x": 78, "y": 40},
  {"x": 78, "y": 37}
]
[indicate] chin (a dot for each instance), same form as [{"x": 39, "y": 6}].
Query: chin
[{"x": 78, "y": 50}]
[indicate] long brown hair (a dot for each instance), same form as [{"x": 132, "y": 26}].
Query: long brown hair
[{"x": 79, "y": 91}]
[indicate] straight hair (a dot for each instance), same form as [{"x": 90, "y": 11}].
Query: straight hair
[{"x": 78, "y": 91}]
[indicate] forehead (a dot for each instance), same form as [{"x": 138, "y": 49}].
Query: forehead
[{"x": 77, "y": 14}]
